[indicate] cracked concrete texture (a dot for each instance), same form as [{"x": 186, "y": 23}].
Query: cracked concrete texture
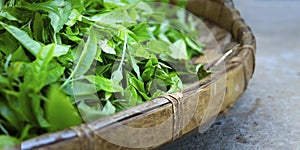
[{"x": 267, "y": 115}]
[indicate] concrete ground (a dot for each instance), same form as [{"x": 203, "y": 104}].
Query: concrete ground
[{"x": 267, "y": 116}]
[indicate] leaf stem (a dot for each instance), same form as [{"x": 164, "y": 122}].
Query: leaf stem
[
  {"x": 68, "y": 80},
  {"x": 124, "y": 51},
  {"x": 7, "y": 63},
  {"x": 3, "y": 129}
]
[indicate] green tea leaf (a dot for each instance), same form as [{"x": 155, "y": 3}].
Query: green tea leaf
[
  {"x": 178, "y": 50},
  {"x": 80, "y": 88},
  {"x": 139, "y": 51},
  {"x": 104, "y": 84},
  {"x": 141, "y": 32},
  {"x": 31, "y": 45},
  {"x": 8, "y": 44},
  {"x": 158, "y": 47},
  {"x": 148, "y": 73},
  {"x": 55, "y": 71},
  {"x": 61, "y": 50},
  {"x": 109, "y": 109},
  {"x": 193, "y": 45},
  {"x": 74, "y": 17},
  {"x": 7, "y": 142},
  {"x": 85, "y": 57},
  {"x": 7, "y": 16},
  {"x": 132, "y": 96},
  {"x": 113, "y": 17},
  {"x": 20, "y": 55},
  {"x": 36, "y": 76},
  {"x": 90, "y": 113},
  {"x": 134, "y": 65},
  {"x": 38, "y": 27},
  {"x": 105, "y": 47},
  {"x": 50, "y": 6},
  {"x": 60, "y": 16},
  {"x": 8, "y": 113},
  {"x": 59, "y": 110}
]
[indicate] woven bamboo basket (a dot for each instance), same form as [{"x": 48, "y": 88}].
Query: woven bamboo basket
[{"x": 167, "y": 118}]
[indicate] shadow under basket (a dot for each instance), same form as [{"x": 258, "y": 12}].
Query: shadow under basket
[{"x": 167, "y": 118}]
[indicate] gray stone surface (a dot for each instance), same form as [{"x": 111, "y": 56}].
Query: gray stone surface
[{"x": 267, "y": 116}]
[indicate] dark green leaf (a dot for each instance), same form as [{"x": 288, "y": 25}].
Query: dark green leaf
[
  {"x": 141, "y": 32},
  {"x": 148, "y": 73},
  {"x": 38, "y": 27},
  {"x": 8, "y": 44},
  {"x": 20, "y": 55},
  {"x": 31, "y": 45},
  {"x": 7, "y": 113}
]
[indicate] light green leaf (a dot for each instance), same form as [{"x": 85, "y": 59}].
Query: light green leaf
[
  {"x": 36, "y": 76},
  {"x": 85, "y": 57},
  {"x": 58, "y": 20},
  {"x": 131, "y": 96},
  {"x": 81, "y": 88},
  {"x": 105, "y": 47},
  {"x": 60, "y": 112},
  {"x": 139, "y": 85},
  {"x": 109, "y": 109},
  {"x": 74, "y": 17},
  {"x": 178, "y": 50},
  {"x": 176, "y": 85},
  {"x": 8, "y": 142},
  {"x": 50, "y": 6},
  {"x": 104, "y": 84},
  {"x": 61, "y": 50},
  {"x": 158, "y": 47},
  {"x": 89, "y": 113},
  {"x": 113, "y": 17},
  {"x": 134, "y": 65},
  {"x": 193, "y": 45},
  {"x": 55, "y": 71},
  {"x": 7, "y": 16},
  {"x": 138, "y": 50}
]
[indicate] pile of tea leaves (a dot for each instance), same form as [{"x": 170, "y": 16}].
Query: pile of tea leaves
[{"x": 55, "y": 54}]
